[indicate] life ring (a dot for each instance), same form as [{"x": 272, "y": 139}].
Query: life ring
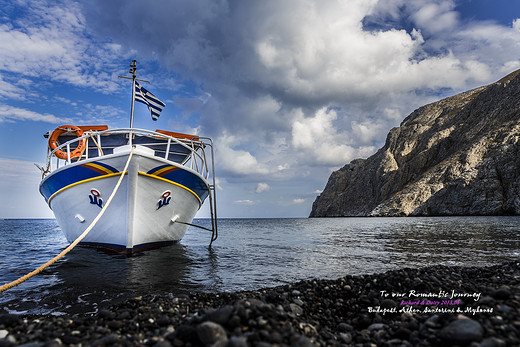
[{"x": 53, "y": 141}]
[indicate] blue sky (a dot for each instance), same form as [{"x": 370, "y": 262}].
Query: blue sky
[{"x": 288, "y": 90}]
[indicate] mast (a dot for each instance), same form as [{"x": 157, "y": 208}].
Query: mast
[{"x": 133, "y": 70}]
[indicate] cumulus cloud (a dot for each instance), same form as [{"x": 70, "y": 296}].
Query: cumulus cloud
[
  {"x": 273, "y": 67},
  {"x": 318, "y": 139},
  {"x": 244, "y": 202},
  {"x": 52, "y": 40},
  {"x": 237, "y": 161},
  {"x": 11, "y": 114},
  {"x": 10, "y": 90},
  {"x": 516, "y": 24},
  {"x": 436, "y": 16},
  {"x": 262, "y": 187},
  {"x": 289, "y": 90}
]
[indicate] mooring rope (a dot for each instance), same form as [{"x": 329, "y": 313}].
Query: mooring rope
[{"x": 78, "y": 240}]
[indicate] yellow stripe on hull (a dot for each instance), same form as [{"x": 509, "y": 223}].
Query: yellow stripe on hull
[
  {"x": 83, "y": 181},
  {"x": 99, "y": 167},
  {"x": 158, "y": 172}
]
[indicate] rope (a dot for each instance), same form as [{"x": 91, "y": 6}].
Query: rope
[
  {"x": 93, "y": 139},
  {"x": 73, "y": 244}
]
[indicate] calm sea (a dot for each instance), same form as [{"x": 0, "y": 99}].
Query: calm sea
[{"x": 249, "y": 254}]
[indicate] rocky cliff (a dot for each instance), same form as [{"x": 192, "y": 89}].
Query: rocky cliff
[{"x": 457, "y": 156}]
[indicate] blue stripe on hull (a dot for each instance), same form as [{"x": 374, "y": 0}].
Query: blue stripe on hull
[
  {"x": 70, "y": 175},
  {"x": 77, "y": 173}
]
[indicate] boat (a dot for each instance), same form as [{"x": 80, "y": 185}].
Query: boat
[{"x": 168, "y": 178}]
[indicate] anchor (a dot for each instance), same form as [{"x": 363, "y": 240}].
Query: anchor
[
  {"x": 95, "y": 198},
  {"x": 165, "y": 199}
]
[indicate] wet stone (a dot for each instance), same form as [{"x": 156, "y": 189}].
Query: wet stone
[
  {"x": 504, "y": 309},
  {"x": 376, "y": 326},
  {"x": 296, "y": 309},
  {"x": 124, "y": 315},
  {"x": 344, "y": 327},
  {"x": 298, "y": 302},
  {"x": 163, "y": 343},
  {"x": 237, "y": 341},
  {"x": 106, "y": 314},
  {"x": 54, "y": 343},
  {"x": 502, "y": 293},
  {"x": 272, "y": 316},
  {"x": 163, "y": 320},
  {"x": 70, "y": 340},
  {"x": 462, "y": 331},
  {"x": 115, "y": 324},
  {"x": 493, "y": 342},
  {"x": 403, "y": 333},
  {"x": 185, "y": 333},
  {"x": 8, "y": 320},
  {"x": 210, "y": 332},
  {"x": 388, "y": 303},
  {"x": 301, "y": 341},
  {"x": 220, "y": 316},
  {"x": 487, "y": 300},
  {"x": 107, "y": 340},
  {"x": 345, "y": 337}
]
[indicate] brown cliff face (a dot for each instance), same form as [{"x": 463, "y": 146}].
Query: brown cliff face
[{"x": 457, "y": 156}]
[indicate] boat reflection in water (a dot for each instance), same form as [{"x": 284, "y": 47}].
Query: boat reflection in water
[{"x": 89, "y": 280}]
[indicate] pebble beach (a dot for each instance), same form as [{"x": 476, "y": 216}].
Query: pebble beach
[{"x": 430, "y": 306}]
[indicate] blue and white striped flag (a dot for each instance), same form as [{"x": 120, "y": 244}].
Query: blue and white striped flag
[{"x": 154, "y": 105}]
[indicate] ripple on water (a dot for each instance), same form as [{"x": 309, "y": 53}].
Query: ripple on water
[{"x": 249, "y": 254}]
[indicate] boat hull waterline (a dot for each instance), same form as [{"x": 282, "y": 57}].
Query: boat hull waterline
[{"x": 155, "y": 200}]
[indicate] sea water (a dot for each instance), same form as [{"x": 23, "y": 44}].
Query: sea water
[{"x": 249, "y": 254}]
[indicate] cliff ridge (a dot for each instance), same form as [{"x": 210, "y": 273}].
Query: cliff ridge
[{"x": 456, "y": 156}]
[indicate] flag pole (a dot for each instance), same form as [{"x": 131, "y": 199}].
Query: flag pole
[{"x": 133, "y": 69}]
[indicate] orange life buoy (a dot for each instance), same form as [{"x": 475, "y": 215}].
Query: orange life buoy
[{"x": 53, "y": 141}]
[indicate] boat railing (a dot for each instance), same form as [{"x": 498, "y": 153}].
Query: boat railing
[{"x": 186, "y": 151}]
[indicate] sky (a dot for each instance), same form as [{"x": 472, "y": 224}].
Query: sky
[{"x": 289, "y": 91}]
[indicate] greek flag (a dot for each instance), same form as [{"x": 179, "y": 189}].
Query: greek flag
[{"x": 154, "y": 105}]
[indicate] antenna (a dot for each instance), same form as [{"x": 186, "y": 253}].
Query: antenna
[{"x": 133, "y": 70}]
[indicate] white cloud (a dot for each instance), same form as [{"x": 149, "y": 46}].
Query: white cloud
[
  {"x": 237, "y": 161},
  {"x": 244, "y": 202},
  {"x": 52, "y": 40},
  {"x": 516, "y": 24},
  {"x": 260, "y": 75},
  {"x": 10, "y": 90},
  {"x": 298, "y": 201},
  {"x": 11, "y": 114},
  {"x": 287, "y": 89},
  {"x": 321, "y": 143},
  {"x": 262, "y": 187},
  {"x": 436, "y": 16}
]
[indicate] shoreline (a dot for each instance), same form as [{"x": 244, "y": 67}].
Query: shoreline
[{"x": 429, "y": 306}]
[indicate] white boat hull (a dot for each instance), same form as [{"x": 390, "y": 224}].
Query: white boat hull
[{"x": 148, "y": 210}]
